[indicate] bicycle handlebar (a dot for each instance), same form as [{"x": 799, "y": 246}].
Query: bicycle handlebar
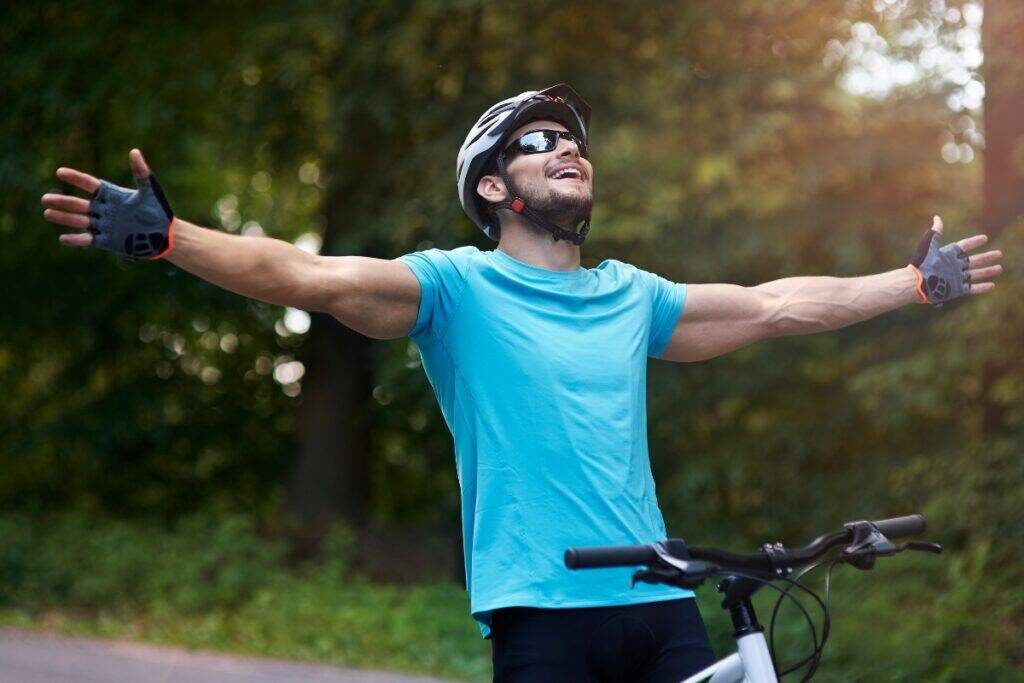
[
  {"x": 610, "y": 556},
  {"x": 897, "y": 527},
  {"x": 633, "y": 555}
]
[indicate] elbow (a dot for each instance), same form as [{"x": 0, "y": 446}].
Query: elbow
[{"x": 333, "y": 288}]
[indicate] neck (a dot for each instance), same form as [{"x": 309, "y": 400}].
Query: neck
[{"x": 527, "y": 243}]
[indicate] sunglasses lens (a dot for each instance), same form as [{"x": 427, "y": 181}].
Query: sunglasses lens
[{"x": 538, "y": 141}]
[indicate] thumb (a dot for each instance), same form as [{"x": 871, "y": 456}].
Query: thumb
[
  {"x": 937, "y": 224},
  {"x": 139, "y": 167}
]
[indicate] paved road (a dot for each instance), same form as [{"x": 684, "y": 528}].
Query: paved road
[{"x": 27, "y": 657}]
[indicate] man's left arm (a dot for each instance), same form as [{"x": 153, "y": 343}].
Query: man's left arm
[{"x": 719, "y": 318}]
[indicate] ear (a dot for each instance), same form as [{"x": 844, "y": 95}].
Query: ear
[{"x": 492, "y": 189}]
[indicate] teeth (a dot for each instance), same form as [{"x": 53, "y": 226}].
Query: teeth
[{"x": 566, "y": 173}]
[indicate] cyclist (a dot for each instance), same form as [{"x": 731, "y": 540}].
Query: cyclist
[{"x": 539, "y": 367}]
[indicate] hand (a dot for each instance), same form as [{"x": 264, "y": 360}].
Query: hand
[
  {"x": 948, "y": 272},
  {"x": 136, "y": 223}
]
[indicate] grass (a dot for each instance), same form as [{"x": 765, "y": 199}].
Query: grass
[
  {"x": 213, "y": 583},
  {"x": 423, "y": 629}
]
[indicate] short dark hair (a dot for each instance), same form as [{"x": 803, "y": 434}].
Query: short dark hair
[{"x": 491, "y": 167}]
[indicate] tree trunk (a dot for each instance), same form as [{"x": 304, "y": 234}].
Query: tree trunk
[
  {"x": 1003, "y": 44},
  {"x": 330, "y": 479}
]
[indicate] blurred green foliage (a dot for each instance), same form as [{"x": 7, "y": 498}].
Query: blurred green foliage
[
  {"x": 204, "y": 563},
  {"x": 212, "y": 582},
  {"x": 724, "y": 150}
]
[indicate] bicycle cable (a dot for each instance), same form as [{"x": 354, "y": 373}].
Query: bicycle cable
[
  {"x": 775, "y": 614},
  {"x": 813, "y": 659},
  {"x": 784, "y": 593},
  {"x": 826, "y": 628}
]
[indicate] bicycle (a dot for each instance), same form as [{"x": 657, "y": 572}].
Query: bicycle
[{"x": 674, "y": 563}]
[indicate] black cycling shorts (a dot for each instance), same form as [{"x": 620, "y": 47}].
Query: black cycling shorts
[{"x": 652, "y": 642}]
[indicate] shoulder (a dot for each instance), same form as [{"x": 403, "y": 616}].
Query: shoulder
[
  {"x": 613, "y": 266},
  {"x": 632, "y": 275},
  {"x": 446, "y": 262},
  {"x": 464, "y": 257},
  {"x": 620, "y": 270}
]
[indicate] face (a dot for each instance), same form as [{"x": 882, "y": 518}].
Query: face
[{"x": 558, "y": 184}]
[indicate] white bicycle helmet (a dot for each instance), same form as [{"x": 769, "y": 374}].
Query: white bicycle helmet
[{"x": 488, "y": 136}]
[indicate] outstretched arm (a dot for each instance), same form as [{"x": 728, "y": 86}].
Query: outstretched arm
[
  {"x": 721, "y": 318},
  {"x": 376, "y": 297}
]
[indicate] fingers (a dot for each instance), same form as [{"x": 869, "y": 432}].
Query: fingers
[
  {"x": 969, "y": 243},
  {"x": 937, "y": 224},
  {"x": 73, "y": 212},
  {"x": 82, "y": 239},
  {"x": 139, "y": 167},
  {"x": 980, "y": 274},
  {"x": 987, "y": 259},
  {"x": 71, "y": 220},
  {"x": 83, "y": 181},
  {"x": 64, "y": 202}
]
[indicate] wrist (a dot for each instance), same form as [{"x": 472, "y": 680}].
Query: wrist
[
  {"x": 916, "y": 281},
  {"x": 183, "y": 240},
  {"x": 169, "y": 245}
]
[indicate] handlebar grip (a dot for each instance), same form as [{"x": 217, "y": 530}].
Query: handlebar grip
[
  {"x": 902, "y": 526},
  {"x": 609, "y": 556}
]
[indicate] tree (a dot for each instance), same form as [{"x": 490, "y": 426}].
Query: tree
[{"x": 1003, "y": 41}]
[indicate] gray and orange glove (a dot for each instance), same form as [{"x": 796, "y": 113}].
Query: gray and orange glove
[
  {"x": 135, "y": 223},
  {"x": 942, "y": 273}
]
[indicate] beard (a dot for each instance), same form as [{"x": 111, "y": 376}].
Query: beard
[{"x": 566, "y": 209}]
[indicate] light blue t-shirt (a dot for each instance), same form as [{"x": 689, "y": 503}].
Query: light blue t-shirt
[{"x": 541, "y": 376}]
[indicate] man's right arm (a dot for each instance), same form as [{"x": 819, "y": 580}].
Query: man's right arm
[{"x": 375, "y": 297}]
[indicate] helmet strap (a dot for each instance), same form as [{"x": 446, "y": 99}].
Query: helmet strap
[{"x": 518, "y": 205}]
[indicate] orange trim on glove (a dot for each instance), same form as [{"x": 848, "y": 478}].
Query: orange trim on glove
[
  {"x": 922, "y": 298},
  {"x": 170, "y": 242}
]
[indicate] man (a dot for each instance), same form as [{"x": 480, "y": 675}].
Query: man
[{"x": 539, "y": 367}]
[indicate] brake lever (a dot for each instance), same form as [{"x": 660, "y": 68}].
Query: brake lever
[
  {"x": 694, "y": 577},
  {"x": 866, "y": 544},
  {"x": 673, "y": 570},
  {"x": 864, "y": 557}
]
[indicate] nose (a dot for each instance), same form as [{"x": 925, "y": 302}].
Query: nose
[{"x": 567, "y": 148}]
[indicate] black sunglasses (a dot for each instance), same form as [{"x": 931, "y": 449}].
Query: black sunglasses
[{"x": 537, "y": 141}]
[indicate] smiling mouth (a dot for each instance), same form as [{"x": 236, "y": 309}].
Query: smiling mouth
[{"x": 567, "y": 174}]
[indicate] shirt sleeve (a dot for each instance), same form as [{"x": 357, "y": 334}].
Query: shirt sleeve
[
  {"x": 442, "y": 277},
  {"x": 668, "y": 299}
]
